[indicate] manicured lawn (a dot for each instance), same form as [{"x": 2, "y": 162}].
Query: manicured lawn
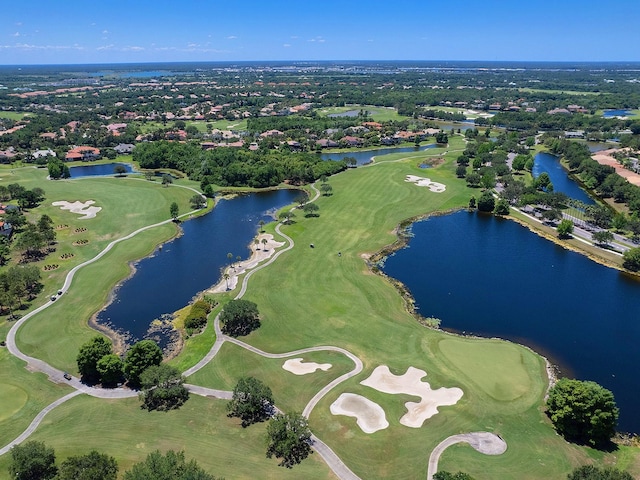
[
  {"x": 291, "y": 392},
  {"x": 22, "y": 395},
  {"x": 127, "y": 204},
  {"x": 13, "y": 115},
  {"x": 376, "y": 114},
  {"x": 201, "y": 125},
  {"x": 331, "y": 299},
  {"x": 308, "y": 297},
  {"x": 201, "y": 428}
]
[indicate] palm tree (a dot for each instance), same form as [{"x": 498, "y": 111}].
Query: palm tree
[
  {"x": 226, "y": 277},
  {"x": 261, "y": 223},
  {"x": 256, "y": 242},
  {"x": 264, "y": 243}
]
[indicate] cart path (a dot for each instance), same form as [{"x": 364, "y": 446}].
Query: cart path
[
  {"x": 483, "y": 442},
  {"x": 480, "y": 441}
]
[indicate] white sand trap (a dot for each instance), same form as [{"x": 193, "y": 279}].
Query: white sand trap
[
  {"x": 297, "y": 367},
  {"x": 384, "y": 381},
  {"x": 425, "y": 182},
  {"x": 369, "y": 415},
  {"x": 80, "y": 208}
]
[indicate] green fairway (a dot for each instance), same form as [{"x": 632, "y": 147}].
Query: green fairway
[
  {"x": 127, "y": 204},
  {"x": 22, "y": 395},
  {"x": 17, "y": 116},
  {"x": 291, "y": 392},
  {"x": 201, "y": 428},
  {"x": 377, "y": 114},
  {"x": 326, "y": 295}
]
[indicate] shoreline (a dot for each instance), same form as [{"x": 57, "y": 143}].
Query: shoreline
[{"x": 372, "y": 261}]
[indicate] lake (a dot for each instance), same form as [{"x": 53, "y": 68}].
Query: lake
[
  {"x": 366, "y": 156},
  {"x": 170, "y": 278},
  {"x": 545, "y": 162},
  {"x": 97, "y": 170},
  {"x": 492, "y": 277}
]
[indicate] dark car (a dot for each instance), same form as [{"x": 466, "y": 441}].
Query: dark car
[{"x": 66, "y": 375}]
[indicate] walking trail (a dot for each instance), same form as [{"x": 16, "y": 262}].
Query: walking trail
[{"x": 481, "y": 441}]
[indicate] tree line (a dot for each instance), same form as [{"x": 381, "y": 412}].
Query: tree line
[
  {"x": 36, "y": 461},
  {"x": 235, "y": 167}
]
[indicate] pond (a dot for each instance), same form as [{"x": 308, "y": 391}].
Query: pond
[
  {"x": 492, "y": 277},
  {"x": 189, "y": 264},
  {"x": 616, "y": 113},
  {"x": 545, "y": 162},
  {"x": 366, "y": 156},
  {"x": 103, "y": 169}
]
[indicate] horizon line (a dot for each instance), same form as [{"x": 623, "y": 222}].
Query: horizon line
[{"x": 317, "y": 61}]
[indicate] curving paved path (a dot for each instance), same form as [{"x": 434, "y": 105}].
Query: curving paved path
[{"x": 483, "y": 442}]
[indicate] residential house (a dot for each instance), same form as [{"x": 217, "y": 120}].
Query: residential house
[
  {"x": 83, "y": 153},
  {"x": 124, "y": 148}
]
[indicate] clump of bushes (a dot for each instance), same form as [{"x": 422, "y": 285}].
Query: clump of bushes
[{"x": 197, "y": 317}]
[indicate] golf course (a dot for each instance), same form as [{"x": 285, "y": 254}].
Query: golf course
[{"x": 330, "y": 295}]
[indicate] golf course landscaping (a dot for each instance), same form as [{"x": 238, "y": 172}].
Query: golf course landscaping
[{"x": 328, "y": 295}]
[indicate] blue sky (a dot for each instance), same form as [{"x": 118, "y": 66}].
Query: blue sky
[{"x": 84, "y": 31}]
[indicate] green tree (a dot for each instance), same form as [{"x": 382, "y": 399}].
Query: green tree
[
  {"x": 252, "y": 401},
  {"x": 239, "y": 317},
  {"x": 141, "y": 356},
  {"x": 32, "y": 461},
  {"x": 444, "y": 475},
  {"x": 519, "y": 162},
  {"x": 486, "y": 202},
  {"x": 311, "y": 210},
  {"x": 565, "y": 228},
  {"x": 93, "y": 466},
  {"x": 602, "y": 237},
  {"x": 461, "y": 171},
  {"x": 89, "y": 355},
  {"x": 473, "y": 179},
  {"x": 171, "y": 466},
  {"x": 582, "y": 411},
  {"x": 174, "y": 211},
  {"x": 119, "y": 170},
  {"x": 631, "y": 259},
  {"x": 289, "y": 439},
  {"x": 502, "y": 207},
  {"x": 162, "y": 388},
  {"x": 197, "y": 201},
  {"x": 552, "y": 215},
  {"x": 326, "y": 189},
  {"x": 591, "y": 472},
  {"x": 167, "y": 180},
  {"x": 109, "y": 368},
  {"x": 45, "y": 229},
  {"x": 472, "y": 202}
]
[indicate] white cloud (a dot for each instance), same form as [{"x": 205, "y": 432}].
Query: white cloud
[
  {"x": 106, "y": 47},
  {"x": 27, "y": 46},
  {"x": 231, "y": 37},
  {"x": 286, "y": 45},
  {"x": 133, "y": 48},
  {"x": 105, "y": 32},
  {"x": 17, "y": 34}
]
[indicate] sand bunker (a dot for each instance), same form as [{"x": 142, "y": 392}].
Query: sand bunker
[
  {"x": 425, "y": 182},
  {"x": 384, "y": 381},
  {"x": 369, "y": 415},
  {"x": 80, "y": 208},
  {"x": 297, "y": 367}
]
